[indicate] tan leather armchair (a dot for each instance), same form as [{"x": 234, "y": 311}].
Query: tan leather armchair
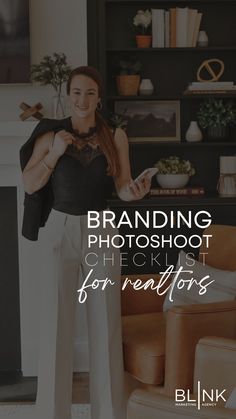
[
  {"x": 215, "y": 367},
  {"x": 159, "y": 348}
]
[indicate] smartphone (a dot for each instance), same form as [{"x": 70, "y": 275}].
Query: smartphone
[{"x": 150, "y": 172}]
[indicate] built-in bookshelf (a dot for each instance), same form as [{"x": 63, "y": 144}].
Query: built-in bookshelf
[{"x": 111, "y": 38}]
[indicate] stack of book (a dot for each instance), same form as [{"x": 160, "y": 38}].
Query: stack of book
[
  {"x": 176, "y": 27},
  {"x": 211, "y": 87},
  {"x": 189, "y": 191}
]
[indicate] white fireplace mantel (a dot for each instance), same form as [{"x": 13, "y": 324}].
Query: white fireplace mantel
[{"x": 13, "y": 134}]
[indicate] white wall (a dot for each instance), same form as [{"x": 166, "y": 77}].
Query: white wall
[{"x": 56, "y": 26}]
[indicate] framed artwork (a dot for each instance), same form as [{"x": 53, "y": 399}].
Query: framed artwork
[{"x": 150, "y": 120}]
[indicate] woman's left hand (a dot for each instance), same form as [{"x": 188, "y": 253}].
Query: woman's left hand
[{"x": 135, "y": 190}]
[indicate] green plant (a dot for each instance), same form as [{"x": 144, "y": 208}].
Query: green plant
[
  {"x": 118, "y": 120},
  {"x": 142, "y": 21},
  {"x": 129, "y": 67},
  {"x": 216, "y": 113},
  {"x": 174, "y": 165},
  {"x": 52, "y": 70}
]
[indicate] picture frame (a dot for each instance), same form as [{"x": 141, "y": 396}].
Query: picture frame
[{"x": 150, "y": 120}]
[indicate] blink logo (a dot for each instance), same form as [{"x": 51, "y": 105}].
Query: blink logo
[{"x": 206, "y": 398}]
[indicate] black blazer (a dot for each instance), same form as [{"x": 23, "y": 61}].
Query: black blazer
[{"x": 37, "y": 206}]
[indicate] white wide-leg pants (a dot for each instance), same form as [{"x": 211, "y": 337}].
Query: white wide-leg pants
[{"x": 64, "y": 243}]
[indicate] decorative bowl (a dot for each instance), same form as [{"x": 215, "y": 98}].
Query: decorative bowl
[{"x": 171, "y": 181}]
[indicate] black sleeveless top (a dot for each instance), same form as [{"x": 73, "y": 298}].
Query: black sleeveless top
[{"x": 80, "y": 182}]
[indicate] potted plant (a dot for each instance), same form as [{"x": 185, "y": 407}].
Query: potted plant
[
  {"x": 173, "y": 172},
  {"x": 142, "y": 22},
  {"x": 117, "y": 120},
  {"x": 128, "y": 79},
  {"x": 216, "y": 116},
  {"x": 53, "y": 70}
]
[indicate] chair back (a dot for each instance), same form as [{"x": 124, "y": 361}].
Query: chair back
[{"x": 221, "y": 253}]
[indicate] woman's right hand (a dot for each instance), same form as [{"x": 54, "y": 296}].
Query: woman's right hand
[{"x": 60, "y": 142}]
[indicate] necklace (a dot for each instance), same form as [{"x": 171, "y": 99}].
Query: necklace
[{"x": 84, "y": 135}]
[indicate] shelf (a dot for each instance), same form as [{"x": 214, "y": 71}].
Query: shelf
[
  {"x": 176, "y": 49},
  {"x": 209, "y": 95},
  {"x": 142, "y": 97},
  {"x": 207, "y": 199},
  {"x": 172, "y": 1},
  {"x": 184, "y": 96},
  {"x": 185, "y": 144}
]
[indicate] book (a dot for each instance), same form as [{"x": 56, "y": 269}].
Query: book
[
  {"x": 222, "y": 85},
  {"x": 181, "y": 26},
  {"x": 192, "y": 16},
  {"x": 158, "y": 28},
  {"x": 196, "y": 29},
  {"x": 167, "y": 28},
  {"x": 173, "y": 27},
  {"x": 189, "y": 191},
  {"x": 209, "y": 92}
]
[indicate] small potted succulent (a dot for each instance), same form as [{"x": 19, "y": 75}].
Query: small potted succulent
[
  {"x": 53, "y": 70},
  {"x": 216, "y": 116},
  {"x": 142, "y": 22},
  {"x": 128, "y": 80},
  {"x": 174, "y": 172}
]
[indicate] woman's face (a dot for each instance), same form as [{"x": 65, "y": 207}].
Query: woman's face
[{"x": 83, "y": 96}]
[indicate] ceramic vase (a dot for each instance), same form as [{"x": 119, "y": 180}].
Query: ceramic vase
[
  {"x": 193, "y": 134},
  {"x": 146, "y": 87},
  {"x": 202, "y": 39}
]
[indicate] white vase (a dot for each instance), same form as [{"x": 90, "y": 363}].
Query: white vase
[
  {"x": 58, "y": 107},
  {"x": 193, "y": 133},
  {"x": 170, "y": 181},
  {"x": 202, "y": 39},
  {"x": 146, "y": 87}
]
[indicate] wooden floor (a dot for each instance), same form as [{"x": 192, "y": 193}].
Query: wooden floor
[
  {"x": 24, "y": 391},
  {"x": 80, "y": 388}
]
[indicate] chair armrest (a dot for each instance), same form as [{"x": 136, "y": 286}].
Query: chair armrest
[
  {"x": 185, "y": 326},
  {"x": 215, "y": 364},
  {"x": 150, "y": 405},
  {"x": 141, "y": 301}
]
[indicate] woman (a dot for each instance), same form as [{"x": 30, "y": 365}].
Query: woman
[{"x": 71, "y": 165}]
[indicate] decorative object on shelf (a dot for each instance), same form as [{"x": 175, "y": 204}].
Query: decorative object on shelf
[
  {"x": 209, "y": 66},
  {"x": 118, "y": 121},
  {"x": 129, "y": 78},
  {"x": 208, "y": 87},
  {"x": 174, "y": 172},
  {"x": 202, "y": 40},
  {"x": 53, "y": 70},
  {"x": 142, "y": 22},
  {"x": 189, "y": 191},
  {"x": 151, "y": 120},
  {"x": 193, "y": 133},
  {"x": 31, "y": 111},
  {"x": 216, "y": 116},
  {"x": 227, "y": 182},
  {"x": 146, "y": 87}
]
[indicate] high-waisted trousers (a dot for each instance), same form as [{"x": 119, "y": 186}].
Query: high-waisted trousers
[{"x": 64, "y": 244}]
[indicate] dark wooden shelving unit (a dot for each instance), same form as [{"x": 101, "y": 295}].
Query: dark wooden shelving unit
[{"x": 111, "y": 38}]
